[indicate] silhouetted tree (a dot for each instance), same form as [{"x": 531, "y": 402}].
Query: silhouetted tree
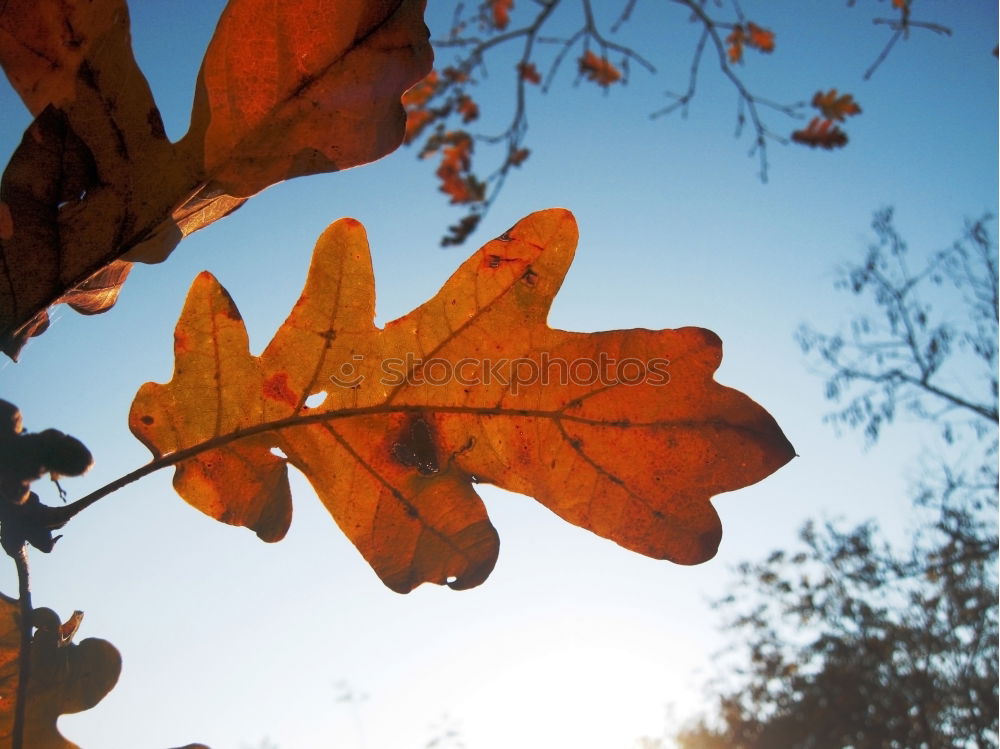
[{"x": 849, "y": 640}]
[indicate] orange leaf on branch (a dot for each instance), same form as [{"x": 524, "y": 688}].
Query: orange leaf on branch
[
  {"x": 760, "y": 38},
  {"x": 518, "y": 157},
  {"x": 528, "y": 72},
  {"x": 631, "y": 446},
  {"x": 821, "y": 133},
  {"x": 834, "y": 107},
  {"x": 500, "y": 10},
  {"x": 751, "y": 35},
  {"x": 598, "y": 69}
]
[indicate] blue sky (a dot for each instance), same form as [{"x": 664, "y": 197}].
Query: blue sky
[{"x": 572, "y": 641}]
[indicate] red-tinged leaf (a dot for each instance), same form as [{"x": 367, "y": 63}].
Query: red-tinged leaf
[
  {"x": 750, "y": 35},
  {"x": 760, "y": 38},
  {"x": 467, "y": 108},
  {"x": 734, "y": 42},
  {"x": 528, "y": 72},
  {"x": 95, "y": 175},
  {"x": 598, "y": 70},
  {"x": 65, "y": 677},
  {"x": 259, "y": 122},
  {"x": 500, "y": 13},
  {"x": 418, "y": 412},
  {"x": 286, "y": 89},
  {"x": 833, "y": 107},
  {"x": 519, "y": 156},
  {"x": 416, "y": 121},
  {"x": 821, "y": 133},
  {"x": 421, "y": 92}
]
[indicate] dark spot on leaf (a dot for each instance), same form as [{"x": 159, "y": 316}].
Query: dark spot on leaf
[
  {"x": 415, "y": 447},
  {"x": 147, "y": 420},
  {"x": 530, "y": 277}
]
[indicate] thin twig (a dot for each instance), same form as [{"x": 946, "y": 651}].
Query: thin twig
[{"x": 24, "y": 652}]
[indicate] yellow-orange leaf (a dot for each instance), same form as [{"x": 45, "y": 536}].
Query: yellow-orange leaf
[
  {"x": 598, "y": 69},
  {"x": 833, "y": 107},
  {"x": 65, "y": 677},
  {"x": 624, "y": 433},
  {"x": 820, "y": 133}
]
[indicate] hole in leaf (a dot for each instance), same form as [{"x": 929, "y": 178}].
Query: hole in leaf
[
  {"x": 451, "y": 579},
  {"x": 277, "y": 451},
  {"x": 316, "y": 399}
]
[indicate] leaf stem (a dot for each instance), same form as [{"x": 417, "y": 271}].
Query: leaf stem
[
  {"x": 24, "y": 652},
  {"x": 61, "y": 515}
]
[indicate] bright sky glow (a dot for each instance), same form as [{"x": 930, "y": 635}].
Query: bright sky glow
[{"x": 573, "y": 641}]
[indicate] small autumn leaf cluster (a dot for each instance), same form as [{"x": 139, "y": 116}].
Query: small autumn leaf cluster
[
  {"x": 442, "y": 102},
  {"x": 96, "y": 184},
  {"x": 749, "y": 35},
  {"x": 822, "y": 132},
  {"x": 24, "y": 458}
]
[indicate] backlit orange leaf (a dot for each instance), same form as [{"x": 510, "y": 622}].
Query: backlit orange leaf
[
  {"x": 598, "y": 69},
  {"x": 528, "y": 72},
  {"x": 95, "y": 179},
  {"x": 519, "y": 156},
  {"x": 834, "y": 107},
  {"x": 751, "y": 35},
  {"x": 65, "y": 677},
  {"x": 735, "y": 41},
  {"x": 821, "y": 133},
  {"x": 421, "y": 92},
  {"x": 500, "y": 10},
  {"x": 624, "y": 433}
]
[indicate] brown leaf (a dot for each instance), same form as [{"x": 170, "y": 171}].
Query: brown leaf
[
  {"x": 93, "y": 173},
  {"x": 834, "y": 107},
  {"x": 65, "y": 677},
  {"x": 752, "y": 36},
  {"x": 418, "y": 412},
  {"x": 528, "y": 72},
  {"x": 323, "y": 108},
  {"x": 598, "y": 69},
  {"x": 95, "y": 179},
  {"x": 820, "y": 133}
]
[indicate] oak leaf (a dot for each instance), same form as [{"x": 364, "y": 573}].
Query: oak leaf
[
  {"x": 598, "y": 69},
  {"x": 760, "y": 38},
  {"x": 528, "y": 72},
  {"x": 821, "y": 133},
  {"x": 751, "y": 35},
  {"x": 286, "y": 89},
  {"x": 833, "y": 107},
  {"x": 418, "y": 412},
  {"x": 66, "y": 677},
  {"x": 500, "y": 10}
]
